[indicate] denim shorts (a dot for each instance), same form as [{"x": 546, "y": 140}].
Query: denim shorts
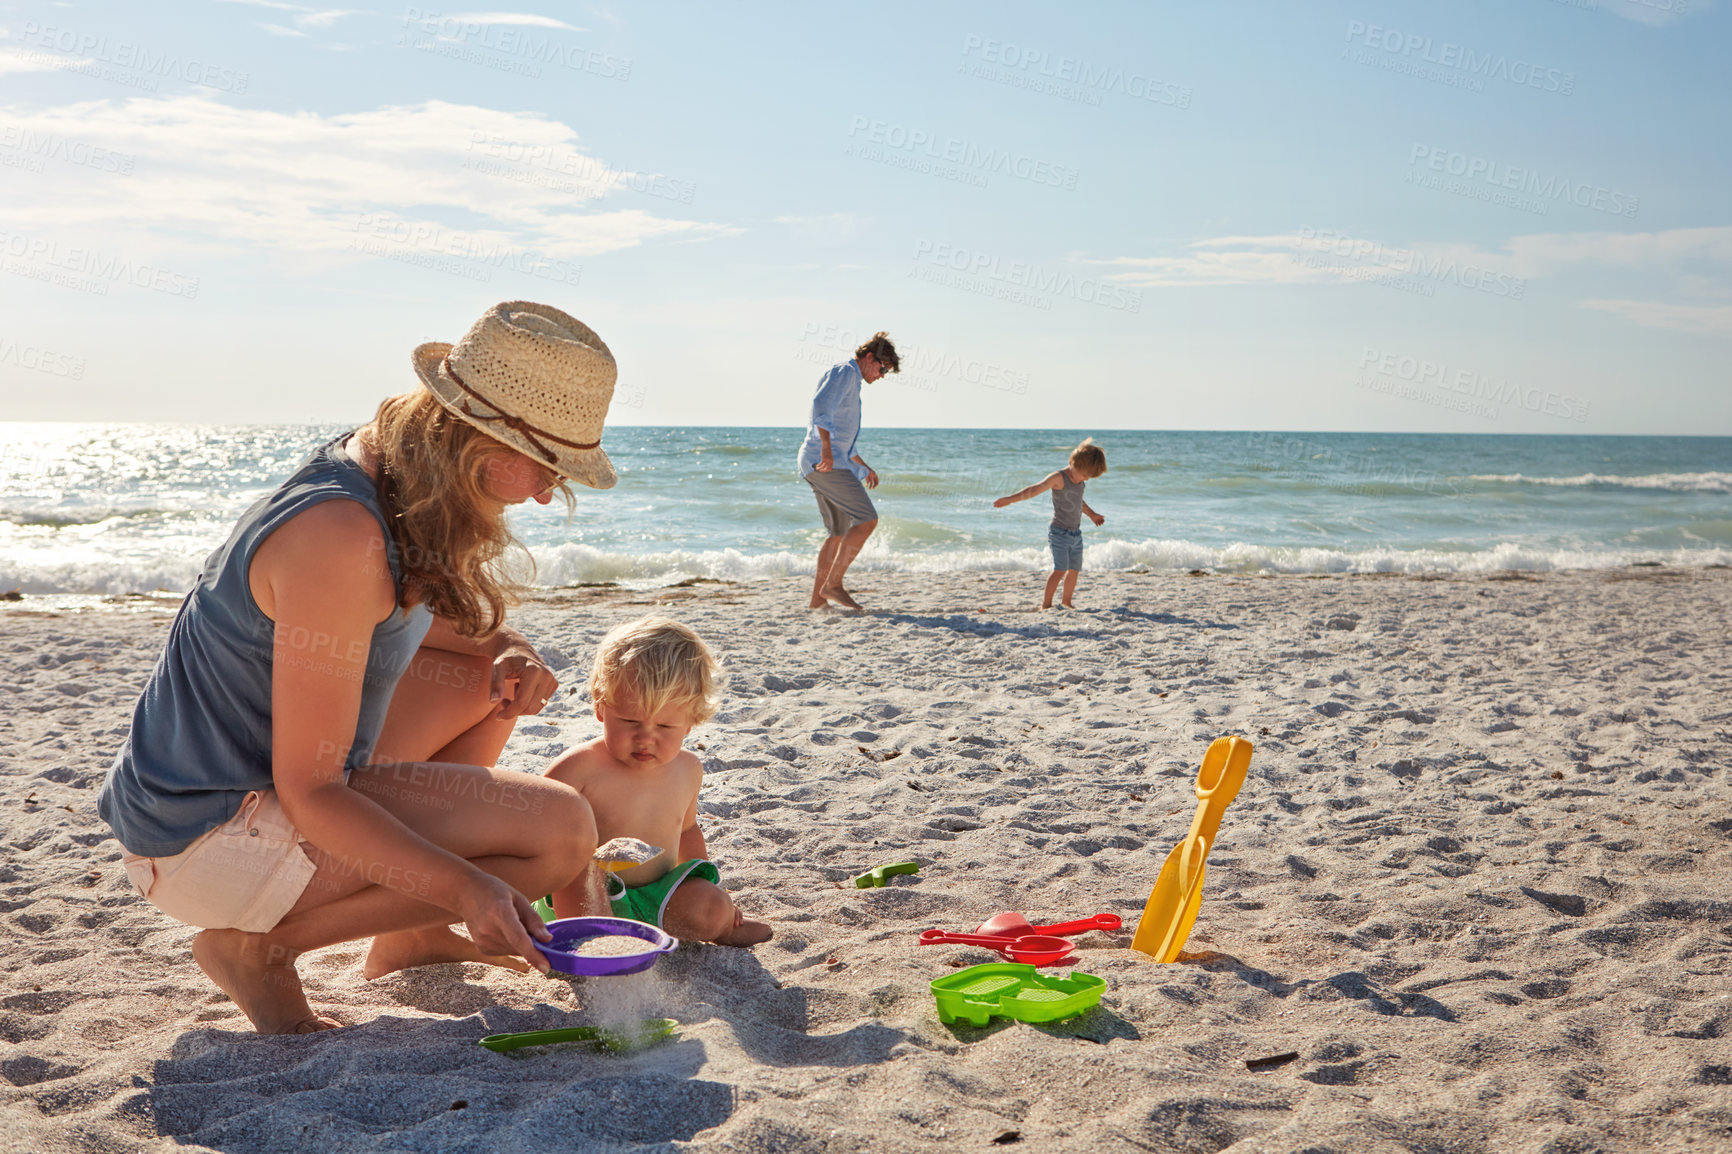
[{"x": 1066, "y": 547}]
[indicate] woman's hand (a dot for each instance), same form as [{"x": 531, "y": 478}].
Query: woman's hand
[
  {"x": 502, "y": 921},
  {"x": 1003, "y": 501},
  {"x": 522, "y": 683}
]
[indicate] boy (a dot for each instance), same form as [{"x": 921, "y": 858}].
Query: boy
[
  {"x": 1087, "y": 462},
  {"x": 653, "y": 680}
]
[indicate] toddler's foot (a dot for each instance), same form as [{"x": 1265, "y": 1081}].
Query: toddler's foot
[
  {"x": 746, "y": 933},
  {"x": 261, "y": 979}
]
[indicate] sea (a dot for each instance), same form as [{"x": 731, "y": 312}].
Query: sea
[{"x": 100, "y": 511}]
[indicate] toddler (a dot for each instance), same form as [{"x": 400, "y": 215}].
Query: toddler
[
  {"x": 1064, "y": 535},
  {"x": 653, "y": 680}
]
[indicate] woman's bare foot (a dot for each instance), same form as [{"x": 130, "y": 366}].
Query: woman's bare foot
[
  {"x": 261, "y": 979},
  {"x": 841, "y": 597},
  {"x": 408, "y": 948}
]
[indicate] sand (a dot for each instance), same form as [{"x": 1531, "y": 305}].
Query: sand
[{"x": 1479, "y": 880}]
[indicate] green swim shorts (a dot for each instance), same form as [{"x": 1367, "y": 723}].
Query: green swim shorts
[{"x": 646, "y": 903}]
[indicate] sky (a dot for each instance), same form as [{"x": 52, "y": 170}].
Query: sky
[{"x": 1491, "y": 216}]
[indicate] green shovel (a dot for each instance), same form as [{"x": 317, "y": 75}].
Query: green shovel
[{"x": 614, "y": 1039}]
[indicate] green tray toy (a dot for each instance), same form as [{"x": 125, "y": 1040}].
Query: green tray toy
[{"x": 1013, "y": 990}]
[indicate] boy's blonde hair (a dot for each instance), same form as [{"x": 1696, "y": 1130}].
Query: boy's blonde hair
[
  {"x": 660, "y": 661},
  {"x": 1088, "y": 458}
]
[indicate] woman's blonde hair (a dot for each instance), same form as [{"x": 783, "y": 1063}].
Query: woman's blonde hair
[
  {"x": 450, "y": 533},
  {"x": 1089, "y": 458},
  {"x": 662, "y": 663}
]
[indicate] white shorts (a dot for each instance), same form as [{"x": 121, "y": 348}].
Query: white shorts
[{"x": 243, "y": 875}]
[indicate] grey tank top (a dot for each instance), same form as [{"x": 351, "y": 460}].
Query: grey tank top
[
  {"x": 201, "y": 732},
  {"x": 1067, "y": 502}
]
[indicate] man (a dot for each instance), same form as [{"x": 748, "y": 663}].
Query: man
[{"x": 835, "y": 471}]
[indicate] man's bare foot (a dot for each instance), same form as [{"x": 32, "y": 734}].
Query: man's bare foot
[
  {"x": 261, "y": 979},
  {"x": 841, "y": 597},
  {"x": 746, "y": 933},
  {"x": 408, "y": 948},
  {"x": 1046, "y": 604}
]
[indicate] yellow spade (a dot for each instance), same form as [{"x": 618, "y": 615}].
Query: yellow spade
[{"x": 1178, "y": 892}]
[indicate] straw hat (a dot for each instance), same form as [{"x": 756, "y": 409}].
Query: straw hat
[{"x": 533, "y": 378}]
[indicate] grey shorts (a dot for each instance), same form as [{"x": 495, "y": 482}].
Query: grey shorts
[
  {"x": 842, "y": 500},
  {"x": 1066, "y": 547}
]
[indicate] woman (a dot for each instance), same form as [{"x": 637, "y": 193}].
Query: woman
[{"x": 311, "y": 760}]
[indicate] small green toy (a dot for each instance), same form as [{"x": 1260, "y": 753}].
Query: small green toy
[
  {"x": 614, "y": 1039},
  {"x": 879, "y": 876}
]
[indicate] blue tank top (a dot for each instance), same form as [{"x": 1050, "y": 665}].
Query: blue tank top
[{"x": 201, "y": 732}]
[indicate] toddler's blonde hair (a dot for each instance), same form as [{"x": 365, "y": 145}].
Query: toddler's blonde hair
[
  {"x": 660, "y": 661},
  {"x": 1089, "y": 459}
]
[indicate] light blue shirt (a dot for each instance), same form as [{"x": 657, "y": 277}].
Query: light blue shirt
[{"x": 836, "y": 410}]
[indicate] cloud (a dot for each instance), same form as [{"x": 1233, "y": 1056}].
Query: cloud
[
  {"x": 304, "y": 15},
  {"x": 15, "y": 61},
  {"x": 825, "y": 228},
  {"x": 1654, "y": 13},
  {"x": 223, "y": 180},
  {"x": 1307, "y": 256},
  {"x": 1689, "y": 270},
  {"x": 279, "y": 30},
  {"x": 1709, "y": 320},
  {"x": 528, "y": 18},
  {"x": 1674, "y": 250}
]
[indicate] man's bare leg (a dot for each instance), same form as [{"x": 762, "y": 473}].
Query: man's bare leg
[
  {"x": 826, "y": 557},
  {"x": 852, "y": 542}
]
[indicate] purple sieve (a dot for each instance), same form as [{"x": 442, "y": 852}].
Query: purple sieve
[{"x": 565, "y": 931}]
